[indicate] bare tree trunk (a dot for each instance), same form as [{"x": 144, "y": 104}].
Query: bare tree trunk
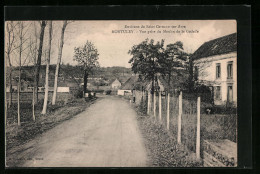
[
  {"x": 18, "y": 98},
  {"x": 47, "y": 71},
  {"x": 169, "y": 82},
  {"x": 58, "y": 63},
  {"x": 19, "y": 81},
  {"x": 85, "y": 81},
  {"x": 38, "y": 63},
  {"x": 10, "y": 43},
  {"x": 10, "y": 88},
  {"x": 152, "y": 88}
]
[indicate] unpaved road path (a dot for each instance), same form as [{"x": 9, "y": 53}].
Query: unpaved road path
[{"x": 105, "y": 135}]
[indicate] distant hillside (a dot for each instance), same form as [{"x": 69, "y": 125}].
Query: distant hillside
[{"x": 68, "y": 72}]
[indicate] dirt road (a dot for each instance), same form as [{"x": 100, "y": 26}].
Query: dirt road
[{"x": 105, "y": 135}]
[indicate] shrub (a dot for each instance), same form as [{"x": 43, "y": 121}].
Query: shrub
[
  {"x": 108, "y": 92},
  {"x": 221, "y": 110},
  {"x": 143, "y": 106},
  {"x": 98, "y": 91},
  {"x": 78, "y": 93}
]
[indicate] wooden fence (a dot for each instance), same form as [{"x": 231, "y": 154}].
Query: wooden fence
[
  {"x": 26, "y": 97},
  {"x": 187, "y": 119}
]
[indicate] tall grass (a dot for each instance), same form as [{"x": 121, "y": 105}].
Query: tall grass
[{"x": 213, "y": 126}]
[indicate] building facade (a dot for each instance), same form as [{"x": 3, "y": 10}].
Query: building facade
[
  {"x": 216, "y": 66},
  {"x": 116, "y": 84}
]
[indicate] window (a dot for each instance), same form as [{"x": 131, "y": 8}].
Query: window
[
  {"x": 230, "y": 93},
  {"x": 218, "y": 71},
  {"x": 217, "y": 92},
  {"x": 230, "y": 70}
]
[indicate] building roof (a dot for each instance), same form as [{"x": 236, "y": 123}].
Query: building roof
[
  {"x": 113, "y": 80},
  {"x": 130, "y": 83},
  {"x": 222, "y": 45},
  {"x": 121, "y": 79}
]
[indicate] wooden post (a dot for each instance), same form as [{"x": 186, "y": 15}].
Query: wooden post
[
  {"x": 148, "y": 104},
  {"x": 168, "y": 111},
  {"x": 154, "y": 104},
  {"x": 6, "y": 109},
  {"x": 33, "y": 105},
  {"x": 18, "y": 102},
  {"x": 198, "y": 130},
  {"x": 179, "y": 119},
  {"x": 160, "y": 105}
]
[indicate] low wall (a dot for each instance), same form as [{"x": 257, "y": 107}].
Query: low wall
[{"x": 27, "y": 96}]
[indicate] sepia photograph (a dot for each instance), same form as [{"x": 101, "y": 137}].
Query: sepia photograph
[{"x": 121, "y": 93}]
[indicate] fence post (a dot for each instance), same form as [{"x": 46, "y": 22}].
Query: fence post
[
  {"x": 148, "y": 103},
  {"x": 179, "y": 118},
  {"x": 198, "y": 130},
  {"x": 154, "y": 104},
  {"x": 168, "y": 110},
  {"x": 5, "y": 109},
  {"x": 33, "y": 105},
  {"x": 160, "y": 105}
]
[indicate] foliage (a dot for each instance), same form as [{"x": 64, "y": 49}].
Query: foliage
[
  {"x": 150, "y": 60},
  {"x": 142, "y": 107},
  {"x": 145, "y": 58},
  {"x": 87, "y": 56},
  {"x": 108, "y": 92},
  {"x": 78, "y": 93},
  {"x": 199, "y": 90},
  {"x": 174, "y": 60}
]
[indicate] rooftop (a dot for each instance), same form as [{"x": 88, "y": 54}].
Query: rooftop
[{"x": 222, "y": 45}]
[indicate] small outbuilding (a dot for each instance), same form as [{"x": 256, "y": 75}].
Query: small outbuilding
[
  {"x": 128, "y": 86},
  {"x": 116, "y": 84}
]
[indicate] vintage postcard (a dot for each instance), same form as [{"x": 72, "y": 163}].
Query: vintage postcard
[{"x": 121, "y": 93}]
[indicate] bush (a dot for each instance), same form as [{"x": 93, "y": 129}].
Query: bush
[
  {"x": 108, "y": 92},
  {"x": 78, "y": 93},
  {"x": 98, "y": 91},
  {"x": 143, "y": 106},
  {"x": 221, "y": 110}
]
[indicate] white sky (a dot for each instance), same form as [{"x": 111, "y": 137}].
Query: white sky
[{"x": 113, "y": 47}]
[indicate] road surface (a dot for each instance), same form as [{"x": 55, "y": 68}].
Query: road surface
[{"x": 105, "y": 135}]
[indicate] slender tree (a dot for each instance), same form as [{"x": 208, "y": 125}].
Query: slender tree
[
  {"x": 22, "y": 60},
  {"x": 65, "y": 23},
  {"x": 21, "y": 39},
  {"x": 38, "y": 62},
  {"x": 47, "y": 70},
  {"x": 10, "y": 47},
  {"x": 87, "y": 56}
]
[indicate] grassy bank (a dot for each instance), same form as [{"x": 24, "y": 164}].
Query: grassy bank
[
  {"x": 162, "y": 147},
  {"x": 162, "y": 144},
  {"x": 17, "y": 135}
]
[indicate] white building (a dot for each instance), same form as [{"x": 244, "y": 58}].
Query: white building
[
  {"x": 128, "y": 86},
  {"x": 116, "y": 84},
  {"x": 216, "y": 66}
]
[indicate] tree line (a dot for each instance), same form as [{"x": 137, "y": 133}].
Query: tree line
[
  {"x": 150, "y": 60},
  {"x": 25, "y": 41},
  {"x": 24, "y": 45}
]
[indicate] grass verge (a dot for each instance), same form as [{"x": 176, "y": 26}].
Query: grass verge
[
  {"x": 162, "y": 147},
  {"x": 18, "y": 135}
]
